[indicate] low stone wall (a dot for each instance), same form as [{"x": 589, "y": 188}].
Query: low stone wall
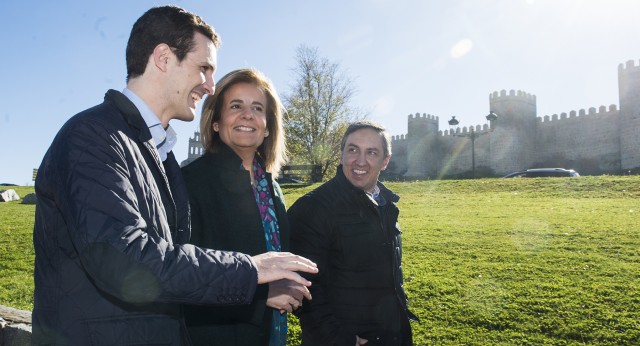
[{"x": 15, "y": 327}]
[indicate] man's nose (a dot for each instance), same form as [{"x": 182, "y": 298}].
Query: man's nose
[{"x": 209, "y": 85}]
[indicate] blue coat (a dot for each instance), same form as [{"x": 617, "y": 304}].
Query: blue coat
[{"x": 111, "y": 261}]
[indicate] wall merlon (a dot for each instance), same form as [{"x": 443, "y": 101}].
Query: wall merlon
[
  {"x": 512, "y": 95},
  {"x": 602, "y": 110},
  {"x": 452, "y": 132},
  {"x": 628, "y": 65},
  {"x": 422, "y": 117}
]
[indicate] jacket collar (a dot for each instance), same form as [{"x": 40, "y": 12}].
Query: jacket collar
[
  {"x": 132, "y": 116},
  {"x": 130, "y": 113},
  {"x": 384, "y": 191},
  {"x": 227, "y": 158}
]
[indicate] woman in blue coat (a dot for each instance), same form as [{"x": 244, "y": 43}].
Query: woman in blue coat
[{"x": 236, "y": 205}]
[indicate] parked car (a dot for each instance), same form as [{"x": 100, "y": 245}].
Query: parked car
[{"x": 543, "y": 172}]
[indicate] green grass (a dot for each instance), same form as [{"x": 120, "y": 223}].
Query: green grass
[
  {"x": 16, "y": 251},
  {"x": 486, "y": 262},
  {"x": 524, "y": 261}
]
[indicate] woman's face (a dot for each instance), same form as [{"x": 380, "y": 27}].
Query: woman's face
[{"x": 243, "y": 118}]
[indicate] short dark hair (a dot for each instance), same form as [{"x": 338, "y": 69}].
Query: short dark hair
[
  {"x": 166, "y": 24},
  {"x": 368, "y": 124}
]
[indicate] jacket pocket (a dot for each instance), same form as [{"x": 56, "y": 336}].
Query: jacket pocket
[{"x": 134, "y": 330}]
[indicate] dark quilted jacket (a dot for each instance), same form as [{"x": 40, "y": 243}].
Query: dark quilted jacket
[
  {"x": 357, "y": 246},
  {"x": 111, "y": 225}
]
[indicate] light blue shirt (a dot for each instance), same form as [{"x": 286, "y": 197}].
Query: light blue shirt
[
  {"x": 166, "y": 138},
  {"x": 375, "y": 197}
]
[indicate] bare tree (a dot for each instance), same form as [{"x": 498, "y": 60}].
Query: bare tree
[{"x": 318, "y": 110}]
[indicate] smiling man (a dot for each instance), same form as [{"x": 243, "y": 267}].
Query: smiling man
[
  {"x": 349, "y": 227},
  {"x": 112, "y": 263}
]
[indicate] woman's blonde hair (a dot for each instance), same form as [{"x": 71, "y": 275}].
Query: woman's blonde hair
[{"x": 273, "y": 149}]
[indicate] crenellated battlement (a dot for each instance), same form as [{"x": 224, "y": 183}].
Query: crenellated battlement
[
  {"x": 512, "y": 95},
  {"x": 630, "y": 64},
  {"x": 421, "y": 125},
  {"x": 462, "y": 131},
  {"x": 601, "y": 111},
  {"x": 424, "y": 116},
  {"x": 398, "y": 138}
]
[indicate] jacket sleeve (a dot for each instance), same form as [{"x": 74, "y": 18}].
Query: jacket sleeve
[
  {"x": 117, "y": 230},
  {"x": 311, "y": 237}
]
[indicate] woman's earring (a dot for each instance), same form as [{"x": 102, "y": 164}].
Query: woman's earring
[
  {"x": 266, "y": 133},
  {"x": 215, "y": 127}
]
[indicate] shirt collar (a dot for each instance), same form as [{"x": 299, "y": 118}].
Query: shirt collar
[
  {"x": 376, "y": 191},
  {"x": 164, "y": 140},
  {"x": 375, "y": 196}
]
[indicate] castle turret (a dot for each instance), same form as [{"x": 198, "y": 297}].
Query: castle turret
[
  {"x": 195, "y": 149},
  {"x": 513, "y": 140},
  {"x": 420, "y": 127},
  {"x": 629, "y": 120}
]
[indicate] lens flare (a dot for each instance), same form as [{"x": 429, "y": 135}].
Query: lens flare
[{"x": 462, "y": 48}]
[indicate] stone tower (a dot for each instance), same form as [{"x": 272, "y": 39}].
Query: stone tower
[
  {"x": 513, "y": 141},
  {"x": 195, "y": 149},
  {"x": 420, "y": 129},
  {"x": 629, "y": 120}
]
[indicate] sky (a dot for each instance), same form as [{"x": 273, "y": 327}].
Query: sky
[{"x": 438, "y": 57}]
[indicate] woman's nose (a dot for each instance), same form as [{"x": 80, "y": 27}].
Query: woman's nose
[{"x": 247, "y": 113}]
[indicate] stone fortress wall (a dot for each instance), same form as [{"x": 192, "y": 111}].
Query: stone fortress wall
[{"x": 603, "y": 140}]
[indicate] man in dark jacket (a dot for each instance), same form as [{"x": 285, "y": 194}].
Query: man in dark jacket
[
  {"x": 112, "y": 220},
  {"x": 348, "y": 226}
]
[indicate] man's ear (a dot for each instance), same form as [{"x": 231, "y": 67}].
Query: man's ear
[
  {"x": 161, "y": 55},
  {"x": 386, "y": 162}
]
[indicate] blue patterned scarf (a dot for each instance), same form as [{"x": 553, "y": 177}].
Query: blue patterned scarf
[{"x": 272, "y": 233}]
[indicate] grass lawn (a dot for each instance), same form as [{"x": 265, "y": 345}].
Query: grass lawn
[
  {"x": 16, "y": 251},
  {"x": 487, "y": 262}
]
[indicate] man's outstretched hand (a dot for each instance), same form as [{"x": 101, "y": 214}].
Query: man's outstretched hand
[{"x": 274, "y": 266}]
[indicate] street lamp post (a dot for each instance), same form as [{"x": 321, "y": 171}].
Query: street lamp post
[{"x": 491, "y": 118}]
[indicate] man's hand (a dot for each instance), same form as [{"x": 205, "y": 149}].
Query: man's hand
[
  {"x": 287, "y": 295},
  {"x": 360, "y": 341},
  {"x": 273, "y": 266}
]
